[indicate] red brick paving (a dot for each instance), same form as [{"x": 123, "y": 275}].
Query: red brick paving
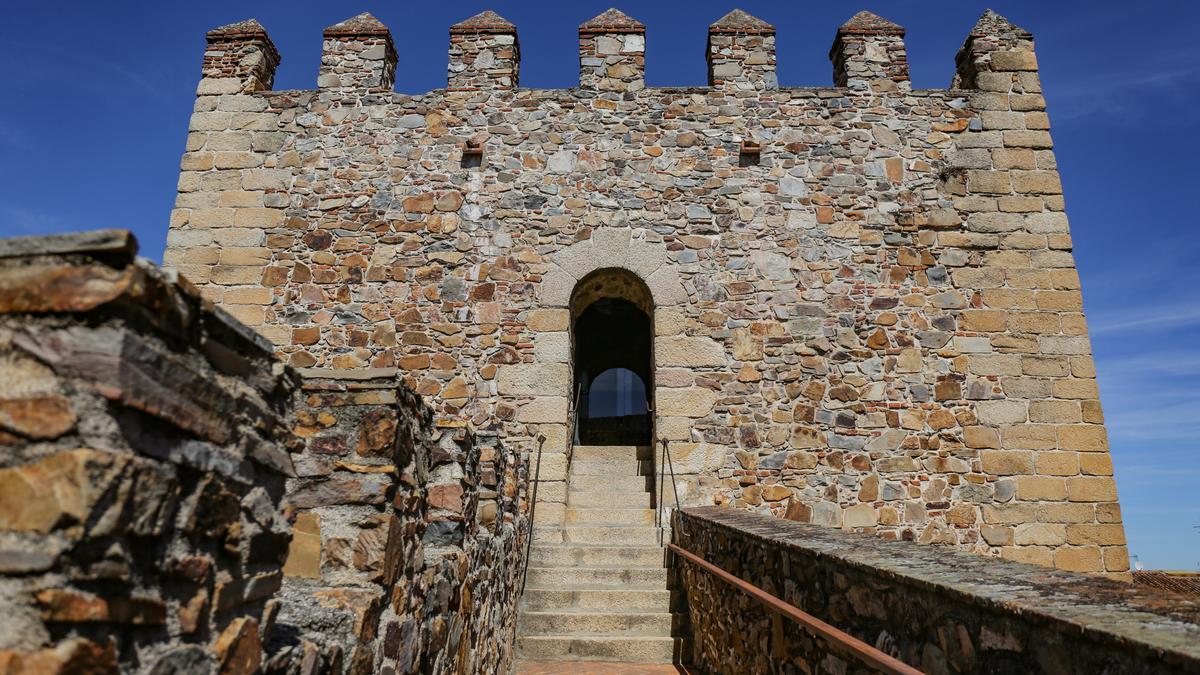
[{"x": 596, "y": 668}]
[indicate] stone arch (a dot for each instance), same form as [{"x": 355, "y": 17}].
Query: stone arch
[
  {"x": 612, "y": 327},
  {"x": 616, "y": 248}
]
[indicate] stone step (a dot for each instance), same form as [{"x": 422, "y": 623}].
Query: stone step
[
  {"x": 621, "y": 649},
  {"x": 590, "y": 577},
  {"x": 613, "y": 467},
  {"x": 599, "y": 534},
  {"x": 542, "y": 555},
  {"x": 586, "y": 452},
  {"x": 617, "y": 535},
  {"x": 609, "y": 516},
  {"x": 611, "y": 483},
  {"x": 565, "y": 622},
  {"x": 597, "y": 598},
  {"x": 601, "y": 498}
]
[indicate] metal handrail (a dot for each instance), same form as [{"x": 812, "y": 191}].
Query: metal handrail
[
  {"x": 573, "y": 424},
  {"x": 818, "y": 628},
  {"x": 537, "y": 476},
  {"x": 666, "y": 462}
]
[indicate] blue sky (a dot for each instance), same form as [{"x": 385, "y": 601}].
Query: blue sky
[{"x": 97, "y": 97}]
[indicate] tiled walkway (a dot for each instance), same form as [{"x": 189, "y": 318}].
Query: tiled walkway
[{"x": 594, "y": 668}]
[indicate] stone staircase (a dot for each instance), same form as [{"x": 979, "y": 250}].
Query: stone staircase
[{"x": 597, "y": 586}]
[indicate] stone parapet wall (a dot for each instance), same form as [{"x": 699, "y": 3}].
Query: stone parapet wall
[
  {"x": 144, "y": 448},
  {"x": 876, "y": 326},
  {"x": 408, "y": 541},
  {"x": 939, "y": 611}
]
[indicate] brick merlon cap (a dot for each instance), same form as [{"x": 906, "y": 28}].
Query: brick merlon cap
[
  {"x": 486, "y": 21},
  {"x": 867, "y": 23},
  {"x": 250, "y": 28},
  {"x": 611, "y": 21},
  {"x": 741, "y": 22},
  {"x": 992, "y": 24},
  {"x": 363, "y": 24}
]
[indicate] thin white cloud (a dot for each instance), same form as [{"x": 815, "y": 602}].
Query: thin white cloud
[{"x": 1162, "y": 317}]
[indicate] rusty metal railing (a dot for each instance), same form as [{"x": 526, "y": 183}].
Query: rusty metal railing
[
  {"x": 537, "y": 476},
  {"x": 841, "y": 641},
  {"x": 664, "y": 463}
]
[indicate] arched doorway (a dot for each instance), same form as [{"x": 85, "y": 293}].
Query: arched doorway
[{"x": 612, "y": 359}]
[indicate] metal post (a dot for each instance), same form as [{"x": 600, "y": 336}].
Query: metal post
[{"x": 537, "y": 476}]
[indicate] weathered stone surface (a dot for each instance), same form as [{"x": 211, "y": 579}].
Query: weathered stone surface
[
  {"x": 59, "y": 491},
  {"x": 688, "y": 352},
  {"x": 304, "y": 554},
  {"x": 238, "y": 648},
  {"x": 905, "y": 284},
  {"x": 1001, "y": 607},
  {"x": 145, "y": 441},
  {"x": 690, "y": 402},
  {"x": 548, "y": 379}
]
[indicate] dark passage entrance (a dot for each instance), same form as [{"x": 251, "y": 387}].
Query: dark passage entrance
[{"x": 611, "y": 338}]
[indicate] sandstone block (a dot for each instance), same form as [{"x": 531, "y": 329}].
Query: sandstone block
[
  {"x": 1078, "y": 559},
  {"x": 1057, "y": 463},
  {"x": 691, "y": 352},
  {"x": 1040, "y": 534},
  {"x": 539, "y": 320},
  {"x": 1007, "y": 462},
  {"x": 1083, "y": 438},
  {"x": 530, "y": 379},
  {"x": 1102, "y": 534},
  {"x": 1033, "y": 555},
  {"x": 544, "y": 410},
  {"x": 1001, "y": 412},
  {"x": 1091, "y": 489},
  {"x": 688, "y": 402},
  {"x": 1096, "y": 464},
  {"x": 1038, "y": 488},
  {"x": 859, "y": 515},
  {"x": 1014, "y": 60}
]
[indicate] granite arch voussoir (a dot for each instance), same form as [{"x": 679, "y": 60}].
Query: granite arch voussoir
[{"x": 612, "y": 247}]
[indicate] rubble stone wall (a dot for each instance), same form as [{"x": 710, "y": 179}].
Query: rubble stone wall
[
  {"x": 939, "y": 611},
  {"x": 408, "y": 545},
  {"x": 144, "y": 447},
  {"x": 173, "y": 499},
  {"x": 875, "y": 325}
]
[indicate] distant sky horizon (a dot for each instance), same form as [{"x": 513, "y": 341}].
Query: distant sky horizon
[{"x": 97, "y": 98}]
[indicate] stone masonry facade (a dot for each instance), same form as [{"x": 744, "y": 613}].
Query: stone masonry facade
[
  {"x": 174, "y": 499},
  {"x": 866, "y": 311}
]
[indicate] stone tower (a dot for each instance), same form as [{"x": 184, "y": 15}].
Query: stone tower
[{"x": 853, "y": 305}]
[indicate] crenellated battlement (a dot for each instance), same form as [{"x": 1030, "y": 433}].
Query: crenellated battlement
[
  {"x": 858, "y": 304},
  {"x": 868, "y": 55}
]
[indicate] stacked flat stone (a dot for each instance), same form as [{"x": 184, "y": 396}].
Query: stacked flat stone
[
  {"x": 879, "y": 326},
  {"x": 612, "y": 53},
  {"x": 402, "y": 528},
  {"x": 240, "y": 58},
  {"x": 741, "y": 53},
  {"x": 144, "y": 445},
  {"x": 937, "y": 611},
  {"x": 358, "y": 53},
  {"x": 484, "y": 53},
  {"x": 869, "y": 53}
]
